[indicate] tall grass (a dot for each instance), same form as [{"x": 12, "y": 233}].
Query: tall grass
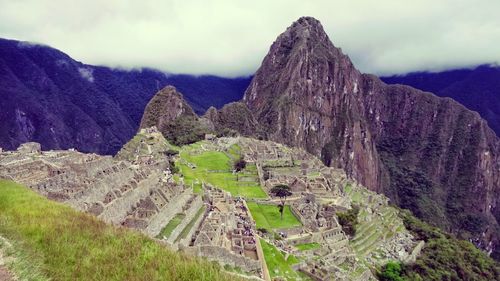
[{"x": 69, "y": 245}]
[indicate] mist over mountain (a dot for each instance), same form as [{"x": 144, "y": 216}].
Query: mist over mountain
[{"x": 50, "y": 98}]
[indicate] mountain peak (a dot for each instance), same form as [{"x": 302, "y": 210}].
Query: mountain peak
[
  {"x": 299, "y": 61},
  {"x": 166, "y": 106},
  {"x": 302, "y": 30},
  {"x": 308, "y": 24}
]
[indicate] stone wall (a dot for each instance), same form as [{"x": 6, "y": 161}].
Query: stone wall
[
  {"x": 190, "y": 213},
  {"x": 225, "y": 256},
  {"x": 174, "y": 207},
  {"x": 415, "y": 252},
  {"x": 116, "y": 212}
]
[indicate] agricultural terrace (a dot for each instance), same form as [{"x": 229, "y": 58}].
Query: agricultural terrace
[{"x": 279, "y": 265}]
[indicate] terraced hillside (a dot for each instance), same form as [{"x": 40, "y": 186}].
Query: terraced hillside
[
  {"x": 213, "y": 199},
  {"x": 379, "y": 228}
]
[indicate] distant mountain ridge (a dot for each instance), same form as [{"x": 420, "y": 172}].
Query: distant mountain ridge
[
  {"x": 48, "y": 97},
  {"x": 477, "y": 88}
]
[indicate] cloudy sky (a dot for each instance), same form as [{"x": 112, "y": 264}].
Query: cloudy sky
[{"x": 231, "y": 37}]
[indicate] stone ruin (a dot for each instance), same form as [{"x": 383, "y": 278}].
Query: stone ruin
[
  {"x": 136, "y": 194},
  {"x": 136, "y": 189},
  {"x": 227, "y": 233},
  {"x": 304, "y": 173}
]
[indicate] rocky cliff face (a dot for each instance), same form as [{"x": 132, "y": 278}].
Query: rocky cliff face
[
  {"x": 428, "y": 154},
  {"x": 478, "y": 89},
  {"x": 234, "y": 118},
  {"x": 307, "y": 93}
]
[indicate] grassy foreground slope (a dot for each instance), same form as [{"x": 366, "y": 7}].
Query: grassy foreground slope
[{"x": 69, "y": 245}]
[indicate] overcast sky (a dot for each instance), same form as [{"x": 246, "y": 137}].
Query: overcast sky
[{"x": 231, "y": 37}]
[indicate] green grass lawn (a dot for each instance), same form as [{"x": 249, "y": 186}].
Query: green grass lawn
[
  {"x": 307, "y": 246},
  {"x": 215, "y": 167},
  {"x": 171, "y": 225},
  {"x": 68, "y": 245},
  {"x": 268, "y": 216},
  {"x": 234, "y": 151},
  {"x": 277, "y": 264}
]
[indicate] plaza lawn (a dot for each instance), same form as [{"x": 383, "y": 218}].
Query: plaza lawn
[
  {"x": 268, "y": 216},
  {"x": 215, "y": 167},
  {"x": 63, "y": 244},
  {"x": 307, "y": 246},
  {"x": 278, "y": 266}
]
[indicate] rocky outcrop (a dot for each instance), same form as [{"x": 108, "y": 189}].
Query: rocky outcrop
[
  {"x": 165, "y": 106},
  {"x": 234, "y": 117},
  {"x": 428, "y": 154},
  {"x": 174, "y": 118},
  {"x": 478, "y": 89}
]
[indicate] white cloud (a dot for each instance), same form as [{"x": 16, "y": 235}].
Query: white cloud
[
  {"x": 230, "y": 37},
  {"x": 87, "y": 73}
]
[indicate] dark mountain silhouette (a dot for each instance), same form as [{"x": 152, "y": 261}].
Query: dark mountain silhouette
[{"x": 48, "y": 97}]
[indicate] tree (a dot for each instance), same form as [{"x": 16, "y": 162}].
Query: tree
[
  {"x": 391, "y": 272},
  {"x": 282, "y": 191},
  {"x": 349, "y": 220},
  {"x": 171, "y": 152},
  {"x": 240, "y": 164}
]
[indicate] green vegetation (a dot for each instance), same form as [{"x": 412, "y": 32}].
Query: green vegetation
[
  {"x": 234, "y": 152},
  {"x": 278, "y": 265},
  {"x": 391, "y": 272},
  {"x": 444, "y": 201},
  {"x": 185, "y": 130},
  {"x": 237, "y": 270},
  {"x": 268, "y": 217},
  {"x": 214, "y": 167},
  {"x": 18, "y": 262},
  {"x": 184, "y": 233},
  {"x": 172, "y": 224},
  {"x": 239, "y": 165},
  {"x": 307, "y": 246},
  {"x": 349, "y": 220},
  {"x": 282, "y": 191},
  {"x": 445, "y": 257},
  {"x": 68, "y": 245}
]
